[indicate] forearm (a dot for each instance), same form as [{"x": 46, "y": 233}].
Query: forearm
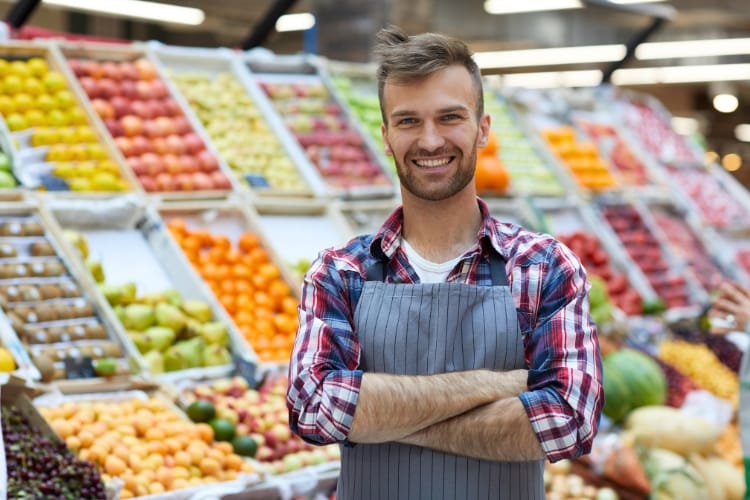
[
  {"x": 390, "y": 407},
  {"x": 498, "y": 431}
]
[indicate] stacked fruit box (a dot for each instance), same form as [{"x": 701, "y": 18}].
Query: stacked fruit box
[
  {"x": 54, "y": 139},
  {"x": 217, "y": 90},
  {"x": 160, "y": 308},
  {"x": 165, "y": 149},
  {"x": 324, "y": 133}
]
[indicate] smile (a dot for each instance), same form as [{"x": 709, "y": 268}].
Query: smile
[{"x": 433, "y": 163}]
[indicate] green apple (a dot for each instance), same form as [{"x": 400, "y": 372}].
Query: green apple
[
  {"x": 7, "y": 180},
  {"x": 5, "y": 163}
]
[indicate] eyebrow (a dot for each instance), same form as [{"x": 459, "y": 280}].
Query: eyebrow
[{"x": 449, "y": 109}]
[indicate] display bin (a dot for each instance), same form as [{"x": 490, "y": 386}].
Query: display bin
[
  {"x": 298, "y": 230},
  {"x": 366, "y": 217},
  {"x": 318, "y": 125},
  {"x": 627, "y": 221},
  {"x": 239, "y": 264},
  {"x": 164, "y": 145},
  {"x": 56, "y": 142},
  {"x": 50, "y": 308},
  {"x": 575, "y": 225},
  {"x": 126, "y": 230},
  {"x": 139, "y": 414},
  {"x": 220, "y": 94}
]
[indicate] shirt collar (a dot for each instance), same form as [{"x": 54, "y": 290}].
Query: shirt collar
[{"x": 387, "y": 239}]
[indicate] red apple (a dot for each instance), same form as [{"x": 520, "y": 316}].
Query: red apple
[
  {"x": 166, "y": 182},
  {"x": 137, "y": 166},
  {"x": 185, "y": 183},
  {"x": 148, "y": 183},
  {"x": 159, "y": 89},
  {"x": 77, "y": 67},
  {"x": 114, "y": 127},
  {"x": 89, "y": 86},
  {"x": 152, "y": 129},
  {"x": 142, "y": 145},
  {"x": 159, "y": 145},
  {"x": 129, "y": 71},
  {"x": 132, "y": 124},
  {"x": 220, "y": 180},
  {"x": 193, "y": 142},
  {"x": 189, "y": 164},
  {"x": 108, "y": 88},
  {"x": 264, "y": 454},
  {"x": 202, "y": 181},
  {"x": 92, "y": 69},
  {"x": 156, "y": 108},
  {"x": 175, "y": 144},
  {"x": 121, "y": 105},
  {"x": 207, "y": 161},
  {"x": 173, "y": 166},
  {"x": 128, "y": 89},
  {"x": 172, "y": 106},
  {"x": 153, "y": 163},
  {"x": 166, "y": 124},
  {"x": 125, "y": 145},
  {"x": 111, "y": 70},
  {"x": 141, "y": 109},
  {"x": 146, "y": 70},
  {"x": 143, "y": 88},
  {"x": 181, "y": 125},
  {"x": 103, "y": 108}
]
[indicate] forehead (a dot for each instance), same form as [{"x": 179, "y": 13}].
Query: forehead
[{"x": 451, "y": 86}]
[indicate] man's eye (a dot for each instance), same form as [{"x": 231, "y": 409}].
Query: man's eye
[
  {"x": 451, "y": 117},
  {"x": 407, "y": 121}
]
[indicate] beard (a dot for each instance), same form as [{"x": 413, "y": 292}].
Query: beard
[{"x": 436, "y": 191}]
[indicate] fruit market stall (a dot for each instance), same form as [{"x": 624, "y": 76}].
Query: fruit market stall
[
  {"x": 160, "y": 308},
  {"x": 341, "y": 154},
  {"x": 54, "y": 141},
  {"x": 165, "y": 147},
  {"x": 228, "y": 104}
]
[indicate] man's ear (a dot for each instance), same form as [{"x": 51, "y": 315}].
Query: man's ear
[{"x": 484, "y": 131}]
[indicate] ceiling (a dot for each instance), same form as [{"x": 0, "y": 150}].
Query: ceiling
[{"x": 346, "y": 28}]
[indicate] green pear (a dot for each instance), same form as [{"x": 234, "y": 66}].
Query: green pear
[
  {"x": 138, "y": 317},
  {"x": 154, "y": 362},
  {"x": 161, "y": 337},
  {"x": 169, "y": 316},
  {"x": 128, "y": 292},
  {"x": 215, "y": 332},
  {"x": 216, "y": 355},
  {"x": 184, "y": 354},
  {"x": 197, "y": 309},
  {"x": 174, "y": 297},
  {"x": 119, "y": 312},
  {"x": 141, "y": 340},
  {"x": 174, "y": 360},
  {"x": 115, "y": 294},
  {"x": 152, "y": 298},
  {"x": 96, "y": 270}
]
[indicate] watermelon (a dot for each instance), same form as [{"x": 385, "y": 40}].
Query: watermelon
[{"x": 631, "y": 379}]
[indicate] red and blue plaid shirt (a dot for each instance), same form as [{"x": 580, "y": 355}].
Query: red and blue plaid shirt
[{"x": 549, "y": 288}]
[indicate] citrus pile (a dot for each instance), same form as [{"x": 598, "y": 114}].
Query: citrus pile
[{"x": 247, "y": 284}]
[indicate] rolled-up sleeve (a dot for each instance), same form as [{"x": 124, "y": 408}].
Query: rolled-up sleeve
[
  {"x": 324, "y": 380},
  {"x": 565, "y": 396}
]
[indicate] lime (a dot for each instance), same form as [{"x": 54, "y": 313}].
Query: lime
[
  {"x": 201, "y": 410},
  {"x": 223, "y": 429},
  {"x": 244, "y": 446}
]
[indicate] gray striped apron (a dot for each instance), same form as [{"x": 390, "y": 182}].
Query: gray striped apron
[{"x": 422, "y": 329}]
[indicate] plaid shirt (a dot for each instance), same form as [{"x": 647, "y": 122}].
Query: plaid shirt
[{"x": 549, "y": 288}]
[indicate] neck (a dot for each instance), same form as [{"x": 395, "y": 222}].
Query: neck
[{"x": 441, "y": 230}]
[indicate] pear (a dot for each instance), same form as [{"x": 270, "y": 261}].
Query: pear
[
  {"x": 138, "y": 317},
  {"x": 141, "y": 340},
  {"x": 154, "y": 362},
  {"x": 96, "y": 270},
  {"x": 118, "y": 294},
  {"x": 184, "y": 354},
  {"x": 174, "y": 297},
  {"x": 161, "y": 337},
  {"x": 197, "y": 309},
  {"x": 152, "y": 298},
  {"x": 192, "y": 328},
  {"x": 79, "y": 241},
  {"x": 128, "y": 292},
  {"x": 119, "y": 312},
  {"x": 216, "y": 355},
  {"x": 215, "y": 332},
  {"x": 169, "y": 316}
]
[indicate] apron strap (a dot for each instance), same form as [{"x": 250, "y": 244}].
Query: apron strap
[{"x": 376, "y": 271}]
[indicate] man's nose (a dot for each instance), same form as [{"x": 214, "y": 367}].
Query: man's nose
[{"x": 430, "y": 138}]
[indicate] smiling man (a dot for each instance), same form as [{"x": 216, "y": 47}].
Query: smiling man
[{"x": 449, "y": 353}]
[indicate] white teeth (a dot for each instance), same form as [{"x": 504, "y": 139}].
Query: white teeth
[{"x": 432, "y": 163}]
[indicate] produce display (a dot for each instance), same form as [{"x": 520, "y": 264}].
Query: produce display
[
  {"x": 238, "y": 130},
  {"x": 148, "y": 126},
  {"x": 645, "y": 251},
  {"x": 330, "y": 143},
  {"x": 47, "y": 308},
  {"x": 7, "y": 179},
  {"x": 260, "y": 416},
  {"x": 41, "y": 466},
  {"x": 57, "y": 146},
  {"x": 581, "y": 158},
  {"x": 145, "y": 442},
  {"x": 529, "y": 173},
  {"x": 247, "y": 283}
]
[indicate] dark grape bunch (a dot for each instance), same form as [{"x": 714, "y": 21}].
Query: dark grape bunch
[{"x": 41, "y": 468}]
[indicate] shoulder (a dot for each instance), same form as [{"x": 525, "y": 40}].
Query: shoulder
[
  {"x": 353, "y": 256},
  {"x": 523, "y": 247}
]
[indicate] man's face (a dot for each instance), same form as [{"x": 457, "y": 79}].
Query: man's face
[{"x": 433, "y": 134}]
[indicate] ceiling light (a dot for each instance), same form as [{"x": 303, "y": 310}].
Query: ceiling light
[
  {"x": 516, "y": 6},
  {"x": 681, "y": 74},
  {"x": 295, "y": 22},
  {"x": 711, "y": 157},
  {"x": 549, "y": 57},
  {"x": 552, "y": 79},
  {"x": 742, "y": 132},
  {"x": 725, "y": 103},
  {"x": 138, "y": 9},
  {"x": 684, "y": 125},
  {"x": 731, "y": 162},
  {"x": 693, "y": 48}
]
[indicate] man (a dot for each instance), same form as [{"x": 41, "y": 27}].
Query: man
[{"x": 449, "y": 353}]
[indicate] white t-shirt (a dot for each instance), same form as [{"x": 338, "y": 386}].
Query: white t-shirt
[{"x": 428, "y": 272}]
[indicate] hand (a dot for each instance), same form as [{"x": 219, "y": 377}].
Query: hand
[{"x": 731, "y": 305}]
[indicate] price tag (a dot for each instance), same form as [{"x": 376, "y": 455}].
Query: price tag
[
  {"x": 246, "y": 369},
  {"x": 76, "y": 368},
  {"x": 52, "y": 183},
  {"x": 257, "y": 181}
]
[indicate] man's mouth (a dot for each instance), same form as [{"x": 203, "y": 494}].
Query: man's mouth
[{"x": 433, "y": 163}]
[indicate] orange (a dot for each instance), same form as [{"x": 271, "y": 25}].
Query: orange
[
  {"x": 491, "y": 174},
  {"x": 248, "y": 241}
]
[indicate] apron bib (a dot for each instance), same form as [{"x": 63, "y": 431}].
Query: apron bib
[{"x": 423, "y": 329}]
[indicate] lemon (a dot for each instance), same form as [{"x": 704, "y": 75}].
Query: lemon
[{"x": 7, "y": 363}]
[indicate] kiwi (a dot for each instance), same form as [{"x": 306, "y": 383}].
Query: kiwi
[
  {"x": 63, "y": 311},
  {"x": 16, "y": 322},
  {"x": 56, "y": 333},
  {"x": 33, "y": 228},
  {"x": 54, "y": 268},
  {"x": 37, "y": 269},
  {"x": 111, "y": 349},
  {"x": 12, "y": 228},
  {"x": 8, "y": 251},
  {"x": 42, "y": 248},
  {"x": 50, "y": 291},
  {"x": 46, "y": 312},
  {"x": 6, "y": 271},
  {"x": 82, "y": 310},
  {"x": 18, "y": 271},
  {"x": 95, "y": 331},
  {"x": 77, "y": 332},
  {"x": 37, "y": 336},
  {"x": 27, "y": 314},
  {"x": 29, "y": 293},
  {"x": 45, "y": 365},
  {"x": 69, "y": 290},
  {"x": 13, "y": 294}
]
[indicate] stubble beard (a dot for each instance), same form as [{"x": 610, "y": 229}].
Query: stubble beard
[{"x": 438, "y": 192}]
